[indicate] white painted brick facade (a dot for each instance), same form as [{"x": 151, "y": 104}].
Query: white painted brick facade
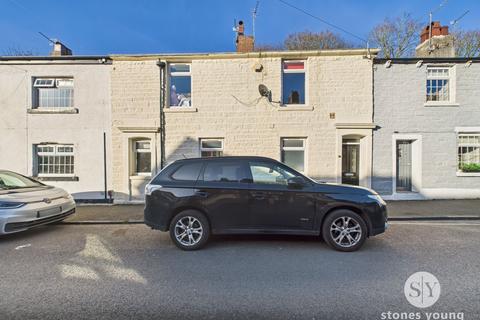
[
  {"x": 20, "y": 131},
  {"x": 399, "y": 109}
]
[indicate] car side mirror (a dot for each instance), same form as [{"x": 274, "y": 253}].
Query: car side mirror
[{"x": 296, "y": 183}]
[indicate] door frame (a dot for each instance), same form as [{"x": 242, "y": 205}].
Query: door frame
[
  {"x": 366, "y": 145},
  {"x": 416, "y": 141},
  {"x": 358, "y": 157}
]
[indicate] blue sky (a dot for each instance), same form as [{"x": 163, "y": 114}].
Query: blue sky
[{"x": 92, "y": 27}]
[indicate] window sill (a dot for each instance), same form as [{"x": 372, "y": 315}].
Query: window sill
[
  {"x": 141, "y": 177},
  {"x": 468, "y": 174},
  {"x": 441, "y": 104},
  {"x": 180, "y": 109},
  {"x": 53, "y": 178},
  {"x": 293, "y": 107},
  {"x": 52, "y": 110}
]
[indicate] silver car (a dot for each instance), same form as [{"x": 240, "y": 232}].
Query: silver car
[{"x": 26, "y": 203}]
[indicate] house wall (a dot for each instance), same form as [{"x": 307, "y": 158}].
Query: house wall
[
  {"x": 224, "y": 94},
  {"x": 135, "y": 114},
  {"x": 400, "y": 112},
  {"x": 21, "y": 130},
  {"x": 226, "y": 104}
]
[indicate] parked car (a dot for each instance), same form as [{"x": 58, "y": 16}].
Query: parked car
[
  {"x": 26, "y": 203},
  {"x": 194, "y": 198}
]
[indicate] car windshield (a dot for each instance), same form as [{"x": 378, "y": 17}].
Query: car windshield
[{"x": 10, "y": 180}]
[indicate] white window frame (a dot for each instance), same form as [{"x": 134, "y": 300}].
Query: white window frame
[
  {"x": 303, "y": 148},
  {"x": 37, "y": 83},
  {"x": 304, "y": 71},
  {"x": 179, "y": 74},
  {"x": 211, "y": 149},
  {"x": 52, "y": 82},
  {"x": 472, "y": 145},
  {"x": 54, "y": 153},
  {"x": 451, "y": 85},
  {"x": 141, "y": 150}
]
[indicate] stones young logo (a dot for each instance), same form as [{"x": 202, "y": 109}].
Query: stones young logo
[{"x": 422, "y": 289}]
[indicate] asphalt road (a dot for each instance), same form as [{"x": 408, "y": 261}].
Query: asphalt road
[{"x": 130, "y": 271}]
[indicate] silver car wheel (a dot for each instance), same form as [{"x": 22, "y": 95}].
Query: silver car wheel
[
  {"x": 346, "y": 231},
  {"x": 188, "y": 231}
]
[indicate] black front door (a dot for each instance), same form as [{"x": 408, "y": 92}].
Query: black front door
[
  {"x": 225, "y": 189},
  {"x": 350, "y": 162},
  {"x": 273, "y": 205}
]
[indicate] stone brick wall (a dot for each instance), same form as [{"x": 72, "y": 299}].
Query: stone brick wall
[
  {"x": 399, "y": 109},
  {"x": 135, "y": 104},
  {"x": 226, "y": 104},
  {"x": 225, "y": 94}
]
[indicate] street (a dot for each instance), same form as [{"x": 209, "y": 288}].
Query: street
[{"x": 130, "y": 271}]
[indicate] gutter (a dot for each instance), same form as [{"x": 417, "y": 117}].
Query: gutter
[
  {"x": 426, "y": 60},
  {"x": 34, "y": 60},
  {"x": 235, "y": 55}
]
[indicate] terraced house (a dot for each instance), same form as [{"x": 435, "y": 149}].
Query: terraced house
[
  {"x": 310, "y": 109},
  {"x": 427, "y": 109},
  {"x": 55, "y": 120},
  {"x": 408, "y": 128}
]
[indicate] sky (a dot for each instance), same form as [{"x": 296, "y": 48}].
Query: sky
[{"x": 100, "y": 27}]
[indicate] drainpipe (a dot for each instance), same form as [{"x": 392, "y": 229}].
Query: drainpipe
[
  {"x": 105, "y": 167},
  {"x": 162, "y": 65}
]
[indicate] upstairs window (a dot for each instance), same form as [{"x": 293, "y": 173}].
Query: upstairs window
[
  {"x": 142, "y": 157},
  {"x": 180, "y": 85},
  {"x": 469, "y": 152},
  {"x": 293, "y": 82},
  {"x": 55, "y": 160},
  {"x": 211, "y": 148},
  {"x": 53, "y": 93},
  {"x": 438, "y": 84}
]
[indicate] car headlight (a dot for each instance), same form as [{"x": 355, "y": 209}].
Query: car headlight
[
  {"x": 377, "y": 198},
  {"x": 67, "y": 196},
  {"x": 10, "y": 205}
]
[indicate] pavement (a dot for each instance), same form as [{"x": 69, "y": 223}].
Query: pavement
[
  {"x": 131, "y": 272},
  {"x": 397, "y": 210}
]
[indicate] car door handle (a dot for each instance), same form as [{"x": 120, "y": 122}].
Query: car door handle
[
  {"x": 202, "y": 194},
  {"x": 259, "y": 195}
]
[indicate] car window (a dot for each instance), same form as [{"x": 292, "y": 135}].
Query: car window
[
  {"x": 269, "y": 173},
  {"x": 187, "y": 172},
  {"x": 10, "y": 180},
  {"x": 226, "y": 171}
]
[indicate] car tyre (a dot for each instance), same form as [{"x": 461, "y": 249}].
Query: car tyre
[
  {"x": 190, "y": 230},
  {"x": 344, "y": 230}
]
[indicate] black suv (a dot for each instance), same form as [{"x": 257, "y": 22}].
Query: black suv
[{"x": 193, "y": 198}]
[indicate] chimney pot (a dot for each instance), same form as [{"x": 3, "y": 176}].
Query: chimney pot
[
  {"x": 241, "y": 28},
  {"x": 439, "y": 45},
  {"x": 437, "y": 30},
  {"x": 59, "y": 49},
  {"x": 244, "y": 43}
]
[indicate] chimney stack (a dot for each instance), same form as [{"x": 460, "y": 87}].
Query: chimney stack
[
  {"x": 59, "y": 49},
  {"x": 435, "y": 42},
  {"x": 244, "y": 43}
]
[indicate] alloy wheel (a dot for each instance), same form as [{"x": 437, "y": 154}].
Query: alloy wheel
[
  {"x": 346, "y": 231},
  {"x": 188, "y": 231}
]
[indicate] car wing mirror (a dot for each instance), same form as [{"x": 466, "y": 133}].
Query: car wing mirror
[{"x": 295, "y": 183}]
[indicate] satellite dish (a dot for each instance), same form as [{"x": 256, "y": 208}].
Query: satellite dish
[{"x": 263, "y": 90}]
